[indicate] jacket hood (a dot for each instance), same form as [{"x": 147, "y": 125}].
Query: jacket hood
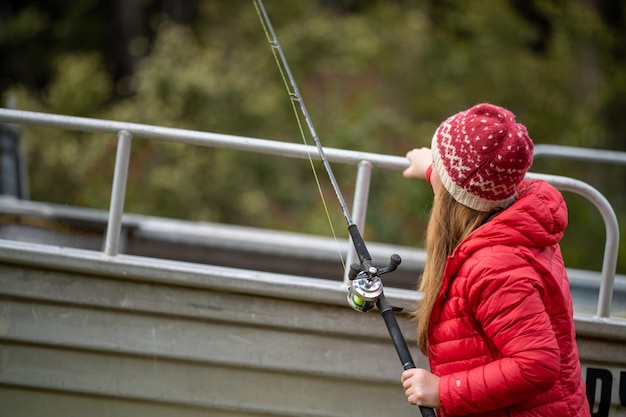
[{"x": 537, "y": 219}]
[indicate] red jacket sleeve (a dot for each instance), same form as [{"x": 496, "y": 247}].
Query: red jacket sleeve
[{"x": 504, "y": 294}]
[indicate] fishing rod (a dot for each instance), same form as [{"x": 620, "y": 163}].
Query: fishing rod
[{"x": 366, "y": 288}]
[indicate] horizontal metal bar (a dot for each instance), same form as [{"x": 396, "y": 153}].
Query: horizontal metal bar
[
  {"x": 187, "y": 274},
  {"x": 191, "y": 137},
  {"x": 581, "y": 154}
]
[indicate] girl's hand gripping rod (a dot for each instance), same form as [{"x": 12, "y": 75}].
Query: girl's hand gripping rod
[{"x": 366, "y": 289}]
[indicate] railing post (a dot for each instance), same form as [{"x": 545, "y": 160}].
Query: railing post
[
  {"x": 118, "y": 193},
  {"x": 359, "y": 210},
  {"x": 14, "y": 178}
]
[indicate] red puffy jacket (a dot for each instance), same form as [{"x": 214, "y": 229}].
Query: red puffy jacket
[{"x": 501, "y": 335}]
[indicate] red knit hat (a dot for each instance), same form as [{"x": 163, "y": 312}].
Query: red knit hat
[{"x": 482, "y": 155}]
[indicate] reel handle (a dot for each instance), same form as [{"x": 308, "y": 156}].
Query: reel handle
[
  {"x": 354, "y": 271},
  {"x": 394, "y": 261},
  {"x": 392, "y": 266}
]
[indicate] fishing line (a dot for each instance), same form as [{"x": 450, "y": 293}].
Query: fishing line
[{"x": 294, "y": 94}]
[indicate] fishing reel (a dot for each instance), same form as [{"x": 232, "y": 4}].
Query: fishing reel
[{"x": 366, "y": 287}]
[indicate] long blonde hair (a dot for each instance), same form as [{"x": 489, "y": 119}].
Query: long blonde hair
[{"x": 449, "y": 223}]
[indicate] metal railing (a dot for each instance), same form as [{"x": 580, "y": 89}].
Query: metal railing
[
  {"x": 580, "y": 154},
  {"x": 364, "y": 161}
]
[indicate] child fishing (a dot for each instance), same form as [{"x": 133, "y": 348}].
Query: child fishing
[{"x": 496, "y": 320}]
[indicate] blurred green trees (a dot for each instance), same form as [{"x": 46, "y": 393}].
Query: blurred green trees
[{"x": 376, "y": 76}]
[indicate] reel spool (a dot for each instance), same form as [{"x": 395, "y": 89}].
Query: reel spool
[{"x": 364, "y": 291}]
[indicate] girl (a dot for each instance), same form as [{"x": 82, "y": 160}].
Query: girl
[{"x": 496, "y": 320}]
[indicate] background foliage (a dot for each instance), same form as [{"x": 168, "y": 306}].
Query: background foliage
[{"x": 376, "y": 76}]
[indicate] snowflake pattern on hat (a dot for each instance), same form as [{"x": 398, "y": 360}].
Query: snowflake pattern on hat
[{"x": 481, "y": 156}]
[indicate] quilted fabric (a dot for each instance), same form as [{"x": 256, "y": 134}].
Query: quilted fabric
[{"x": 501, "y": 336}]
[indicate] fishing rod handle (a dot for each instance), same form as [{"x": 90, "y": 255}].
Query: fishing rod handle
[
  {"x": 386, "y": 310},
  {"x": 359, "y": 245},
  {"x": 426, "y": 411}
]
